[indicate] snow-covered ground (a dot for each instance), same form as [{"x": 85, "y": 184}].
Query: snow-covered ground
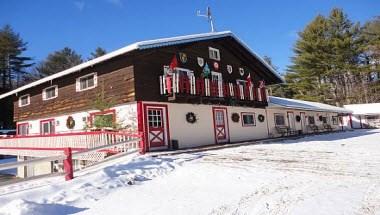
[
  {"x": 8, "y": 171},
  {"x": 324, "y": 174}
]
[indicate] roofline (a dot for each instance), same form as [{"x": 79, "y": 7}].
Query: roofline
[
  {"x": 141, "y": 46},
  {"x": 307, "y": 109},
  {"x": 336, "y": 109}
]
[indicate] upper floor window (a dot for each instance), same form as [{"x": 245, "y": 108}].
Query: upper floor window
[
  {"x": 50, "y": 93},
  {"x": 86, "y": 82},
  {"x": 279, "y": 119},
  {"x": 248, "y": 119},
  {"x": 24, "y": 100},
  {"x": 214, "y": 53}
]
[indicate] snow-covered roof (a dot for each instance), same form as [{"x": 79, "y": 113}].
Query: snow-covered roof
[
  {"x": 141, "y": 46},
  {"x": 364, "y": 109},
  {"x": 275, "y": 102}
]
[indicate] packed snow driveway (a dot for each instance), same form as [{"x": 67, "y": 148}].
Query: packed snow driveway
[{"x": 335, "y": 173}]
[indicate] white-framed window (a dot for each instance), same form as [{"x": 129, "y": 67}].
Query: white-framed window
[
  {"x": 24, "y": 100},
  {"x": 311, "y": 120},
  {"x": 22, "y": 129},
  {"x": 50, "y": 92},
  {"x": 47, "y": 126},
  {"x": 248, "y": 119},
  {"x": 87, "y": 82},
  {"x": 216, "y": 76},
  {"x": 279, "y": 119},
  {"x": 214, "y": 53},
  {"x": 241, "y": 82},
  {"x": 335, "y": 120}
]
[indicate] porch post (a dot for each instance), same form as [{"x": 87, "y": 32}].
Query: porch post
[
  {"x": 68, "y": 164},
  {"x": 140, "y": 124}
]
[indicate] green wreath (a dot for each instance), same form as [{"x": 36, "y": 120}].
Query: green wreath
[
  {"x": 235, "y": 117},
  {"x": 261, "y": 118},
  {"x": 191, "y": 118},
  {"x": 70, "y": 122}
]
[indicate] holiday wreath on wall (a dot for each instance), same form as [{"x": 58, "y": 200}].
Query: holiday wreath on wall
[
  {"x": 191, "y": 118},
  {"x": 298, "y": 118},
  {"x": 235, "y": 117},
  {"x": 261, "y": 118},
  {"x": 70, "y": 122}
]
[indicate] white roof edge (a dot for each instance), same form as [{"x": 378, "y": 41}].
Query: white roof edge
[
  {"x": 141, "y": 45},
  {"x": 73, "y": 69},
  {"x": 304, "y": 105}
]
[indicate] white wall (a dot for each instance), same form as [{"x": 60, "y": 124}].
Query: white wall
[
  {"x": 298, "y": 125},
  {"x": 126, "y": 116},
  {"x": 202, "y": 131}
]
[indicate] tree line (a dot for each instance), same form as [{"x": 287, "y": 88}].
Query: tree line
[
  {"x": 335, "y": 61},
  {"x": 16, "y": 69}
]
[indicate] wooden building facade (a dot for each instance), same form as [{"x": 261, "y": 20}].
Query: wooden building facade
[{"x": 178, "y": 92}]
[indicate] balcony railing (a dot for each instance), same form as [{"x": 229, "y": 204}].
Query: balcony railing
[
  {"x": 204, "y": 87},
  {"x": 48, "y": 145}
]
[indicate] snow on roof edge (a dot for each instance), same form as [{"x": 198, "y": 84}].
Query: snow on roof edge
[
  {"x": 143, "y": 45},
  {"x": 364, "y": 109},
  {"x": 303, "y": 105}
]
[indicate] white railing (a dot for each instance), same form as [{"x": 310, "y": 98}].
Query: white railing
[
  {"x": 48, "y": 145},
  {"x": 126, "y": 147}
]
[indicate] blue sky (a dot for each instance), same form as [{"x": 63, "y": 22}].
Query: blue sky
[{"x": 269, "y": 27}]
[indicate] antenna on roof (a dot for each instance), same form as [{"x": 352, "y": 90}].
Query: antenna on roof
[{"x": 208, "y": 16}]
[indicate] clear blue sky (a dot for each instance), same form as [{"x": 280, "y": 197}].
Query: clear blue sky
[{"x": 269, "y": 27}]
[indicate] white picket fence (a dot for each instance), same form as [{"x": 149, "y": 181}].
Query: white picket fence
[{"x": 50, "y": 145}]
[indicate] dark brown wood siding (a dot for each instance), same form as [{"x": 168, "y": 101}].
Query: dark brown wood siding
[
  {"x": 115, "y": 80},
  {"x": 150, "y": 67}
]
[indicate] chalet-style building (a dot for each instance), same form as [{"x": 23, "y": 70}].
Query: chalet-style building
[{"x": 178, "y": 92}]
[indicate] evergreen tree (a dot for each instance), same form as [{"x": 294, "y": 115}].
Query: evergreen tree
[
  {"x": 12, "y": 64},
  {"x": 370, "y": 57},
  {"x": 280, "y": 90},
  {"x": 58, "y": 61},
  {"x": 305, "y": 77},
  {"x": 326, "y": 63},
  {"x": 97, "y": 53}
]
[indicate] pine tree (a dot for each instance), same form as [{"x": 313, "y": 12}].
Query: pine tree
[
  {"x": 370, "y": 57},
  {"x": 97, "y": 53},
  {"x": 12, "y": 64},
  {"x": 306, "y": 76},
  {"x": 326, "y": 66},
  {"x": 58, "y": 61}
]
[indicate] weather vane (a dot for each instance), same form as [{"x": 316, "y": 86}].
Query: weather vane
[{"x": 208, "y": 16}]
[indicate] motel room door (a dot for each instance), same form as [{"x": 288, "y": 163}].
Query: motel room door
[
  {"x": 156, "y": 123},
  {"x": 303, "y": 122},
  {"x": 221, "y": 125},
  {"x": 291, "y": 121}
]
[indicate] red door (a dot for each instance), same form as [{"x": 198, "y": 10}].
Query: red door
[
  {"x": 220, "y": 125},
  {"x": 156, "y": 126}
]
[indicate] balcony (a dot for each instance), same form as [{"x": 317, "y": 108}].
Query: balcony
[{"x": 184, "y": 88}]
